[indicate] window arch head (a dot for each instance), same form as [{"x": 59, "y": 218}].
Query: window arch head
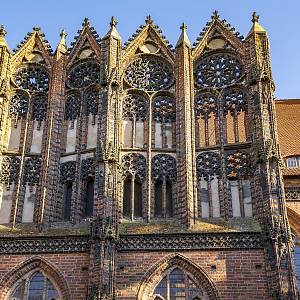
[
  {"x": 35, "y": 285},
  {"x": 135, "y": 107},
  {"x": 292, "y": 162},
  {"x": 164, "y": 109}
]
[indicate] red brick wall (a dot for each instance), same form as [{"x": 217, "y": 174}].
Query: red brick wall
[
  {"x": 74, "y": 268},
  {"x": 238, "y": 274}
]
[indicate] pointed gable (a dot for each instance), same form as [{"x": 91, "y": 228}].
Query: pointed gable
[
  {"x": 85, "y": 45},
  {"x": 34, "y": 48},
  {"x": 147, "y": 39},
  {"x": 218, "y": 34}
]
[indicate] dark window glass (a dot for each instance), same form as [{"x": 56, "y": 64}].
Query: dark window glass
[
  {"x": 38, "y": 286},
  {"x": 138, "y": 199},
  {"x": 68, "y": 200},
  {"x": 89, "y": 197},
  {"x": 127, "y": 197},
  {"x": 169, "y": 197},
  {"x": 158, "y": 198}
]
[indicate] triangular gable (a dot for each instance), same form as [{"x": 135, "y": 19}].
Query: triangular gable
[
  {"x": 218, "y": 34},
  {"x": 33, "y": 49},
  {"x": 85, "y": 45},
  {"x": 147, "y": 39}
]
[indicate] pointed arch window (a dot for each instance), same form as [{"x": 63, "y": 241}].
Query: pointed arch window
[
  {"x": 164, "y": 178},
  {"x": 164, "y": 117},
  {"x": 134, "y": 117},
  {"x": 178, "y": 285},
  {"x": 35, "y": 286},
  {"x": 134, "y": 172}
]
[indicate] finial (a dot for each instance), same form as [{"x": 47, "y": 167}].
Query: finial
[
  {"x": 63, "y": 34},
  {"x": 215, "y": 15},
  {"x": 2, "y": 31},
  {"x": 183, "y": 26},
  {"x": 255, "y": 17},
  {"x": 149, "y": 20},
  {"x": 113, "y": 22},
  {"x": 36, "y": 28},
  {"x": 86, "y": 22}
]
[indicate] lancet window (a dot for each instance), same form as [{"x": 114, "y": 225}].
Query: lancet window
[
  {"x": 82, "y": 105},
  {"x": 67, "y": 176},
  {"x": 208, "y": 166},
  {"x": 178, "y": 284},
  {"x": 235, "y": 108},
  {"x": 238, "y": 173},
  {"x": 9, "y": 174},
  {"x": 28, "y": 104},
  {"x": 206, "y": 113},
  {"x": 164, "y": 117},
  {"x": 164, "y": 179},
  {"x": 88, "y": 182},
  {"x": 134, "y": 174},
  {"x": 134, "y": 117},
  {"x": 35, "y": 286}
]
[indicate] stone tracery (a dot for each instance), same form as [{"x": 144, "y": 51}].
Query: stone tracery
[
  {"x": 134, "y": 164},
  {"x": 208, "y": 164},
  {"x": 32, "y": 78},
  {"x": 134, "y": 107},
  {"x": 237, "y": 164},
  {"x": 32, "y": 169},
  {"x": 84, "y": 74},
  {"x": 10, "y": 168},
  {"x": 149, "y": 72},
  {"x": 164, "y": 109},
  {"x": 218, "y": 70},
  {"x": 163, "y": 167}
]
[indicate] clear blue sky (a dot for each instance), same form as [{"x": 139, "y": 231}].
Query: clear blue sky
[{"x": 280, "y": 18}]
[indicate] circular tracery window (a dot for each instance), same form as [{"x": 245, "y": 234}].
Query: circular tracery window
[
  {"x": 84, "y": 74},
  {"x": 32, "y": 78},
  {"x": 150, "y": 73},
  {"x": 218, "y": 70}
]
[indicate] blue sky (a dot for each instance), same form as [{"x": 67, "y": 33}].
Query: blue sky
[{"x": 280, "y": 19}]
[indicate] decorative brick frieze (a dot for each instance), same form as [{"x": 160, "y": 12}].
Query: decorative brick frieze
[
  {"x": 40, "y": 245},
  {"x": 180, "y": 242}
]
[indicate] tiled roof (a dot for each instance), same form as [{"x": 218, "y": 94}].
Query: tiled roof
[
  {"x": 288, "y": 122},
  {"x": 291, "y": 171}
]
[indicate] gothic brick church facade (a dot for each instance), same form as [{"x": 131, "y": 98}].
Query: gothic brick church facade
[{"x": 146, "y": 171}]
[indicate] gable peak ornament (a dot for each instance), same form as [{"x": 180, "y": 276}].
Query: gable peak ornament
[
  {"x": 3, "y": 32},
  {"x": 255, "y": 17},
  {"x": 215, "y": 15},
  {"x": 113, "y": 22},
  {"x": 149, "y": 20}
]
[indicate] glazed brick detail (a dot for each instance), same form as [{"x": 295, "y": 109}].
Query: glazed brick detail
[
  {"x": 73, "y": 267},
  {"x": 236, "y": 274}
]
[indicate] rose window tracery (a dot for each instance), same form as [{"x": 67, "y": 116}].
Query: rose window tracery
[
  {"x": 72, "y": 107},
  {"x": 135, "y": 107},
  {"x": 218, "y": 70},
  {"x": 208, "y": 164},
  {"x": 134, "y": 164},
  {"x": 33, "y": 79},
  {"x": 205, "y": 104},
  {"x": 149, "y": 72},
  {"x": 237, "y": 164},
  {"x": 235, "y": 100},
  {"x": 164, "y": 109},
  {"x": 163, "y": 167},
  {"x": 84, "y": 74},
  {"x": 18, "y": 106}
]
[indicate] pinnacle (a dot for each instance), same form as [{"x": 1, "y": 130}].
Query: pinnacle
[
  {"x": 149, "y": 20},
  {"x": 215, "y": 15},
  {"x": 255, "y": 17},
  {"x": 113, "y": 22},
  {"x": 36, "y": 28},
  {"x": 63, "y": 34},
  {"x": 2, "y": 31},
  {"x": 183, "y": 39},
  {"x": 86, "y": 22}
]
